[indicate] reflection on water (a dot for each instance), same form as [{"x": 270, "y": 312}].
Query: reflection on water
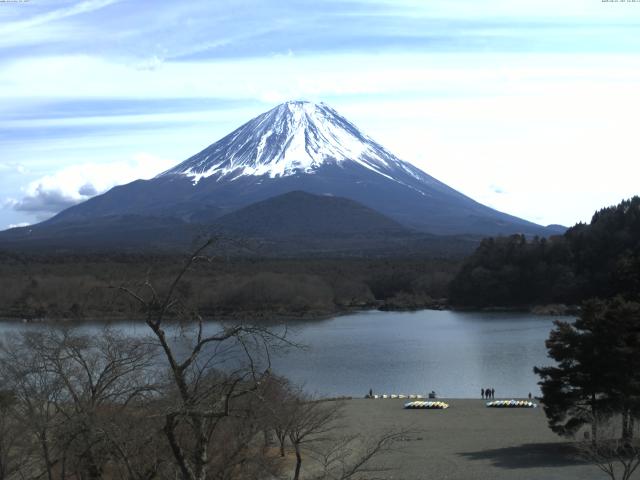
[{"x": 454, "y": 353}]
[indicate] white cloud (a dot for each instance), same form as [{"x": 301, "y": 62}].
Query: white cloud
[
  {"x": 54, "y": 15},
  {"x": 313, "y": 77},
  {"x": 49, "y": 26},
  {"x": 54, "y": 192},
  {"x": 508, "y": 9},
  {"x": 13, "y": 167},
  {"x": 18, "y": 225}
]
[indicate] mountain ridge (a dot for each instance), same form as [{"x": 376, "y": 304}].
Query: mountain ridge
[{"x": 296, "y": 146}]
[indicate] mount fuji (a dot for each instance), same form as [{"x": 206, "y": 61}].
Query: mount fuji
[{"x": 295, "y": 147}]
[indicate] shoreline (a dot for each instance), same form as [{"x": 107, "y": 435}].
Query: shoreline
[{"x": 292, "y": 316}]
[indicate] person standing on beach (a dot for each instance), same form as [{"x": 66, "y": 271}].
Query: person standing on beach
[
  {"x": 493, "y": 394},
  {"x": 482, "y": 393}
]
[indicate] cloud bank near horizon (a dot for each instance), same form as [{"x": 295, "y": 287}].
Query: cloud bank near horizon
[{"x": 50, "y": 194}]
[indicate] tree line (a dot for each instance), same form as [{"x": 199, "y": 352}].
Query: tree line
[
  {"x": 599, "y": 259},
  {"x": 76, "y": 287}
]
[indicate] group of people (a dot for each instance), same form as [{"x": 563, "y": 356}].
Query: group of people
[{"x": 487, "y": 393}]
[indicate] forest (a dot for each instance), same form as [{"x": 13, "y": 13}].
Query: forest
[
  {"x": 80, "y": 287},
  {"x": 599, "y": 259}
]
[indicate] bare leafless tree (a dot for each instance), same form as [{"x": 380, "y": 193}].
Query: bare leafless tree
[
  {"x": 36, "y": 393},
  {"x": 100, "y": 377},
  {"x": 313, "y": 428},
  {"x": 311, "y": 422},
  {"x": 345, "y": 457},
  {"x": 138, "y": 450},
  {"x": 71, "y": 391},
  {"x": 12, "y": 456},
  {"x": 204, "y": 395},
  {"x": 617, "y": 455},
  {"x": 278, "y": 401}
]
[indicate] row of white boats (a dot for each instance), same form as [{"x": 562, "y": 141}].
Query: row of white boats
[
  {"x": 511, "y": 404},
  {"x": 495, "y": 404},
  {"x": 435, "y": 404},
  {"x": 427, "y": 405}
]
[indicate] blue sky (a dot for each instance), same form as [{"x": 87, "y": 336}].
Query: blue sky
[{"x": 530, "y": 107}]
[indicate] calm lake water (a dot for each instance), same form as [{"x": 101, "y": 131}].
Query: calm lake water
[{"x": 453, "y": 353}]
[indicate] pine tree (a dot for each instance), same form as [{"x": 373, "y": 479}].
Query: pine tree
[{"x": 598, "y": 368}]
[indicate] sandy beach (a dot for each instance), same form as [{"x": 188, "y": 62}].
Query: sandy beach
[{"x": 468, "y": 441}]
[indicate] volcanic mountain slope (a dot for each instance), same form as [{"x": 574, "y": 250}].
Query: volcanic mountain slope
[
  {"x": 300, "y": 146},
  {"x": 293, "y": 224},
  {"x": 111, "y": 232}
]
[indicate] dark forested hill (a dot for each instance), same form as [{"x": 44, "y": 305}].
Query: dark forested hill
[
  {"x": 303, "y": 214},
  {"x": 599, "y": 259}
]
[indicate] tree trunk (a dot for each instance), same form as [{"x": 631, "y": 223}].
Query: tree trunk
[
  {"x": 3, "y": 475},
  {"x": 178, "y": 454},
  {"x": 628, "y": 424},
  {"x": 201, "y": 455},
  {"x": 296, "y": 474},
  {"x": 594, "y": 421},
  {"x": 94, "y": 472},
  {"x": 46, "y": 454},
  {"x": 282, "y": 438}
]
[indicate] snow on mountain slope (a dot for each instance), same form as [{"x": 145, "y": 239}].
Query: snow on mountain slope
[{"x": 294, "y": 137}]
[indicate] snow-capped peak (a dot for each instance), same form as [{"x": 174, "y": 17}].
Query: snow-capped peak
[{"x": 294, "y": 137}]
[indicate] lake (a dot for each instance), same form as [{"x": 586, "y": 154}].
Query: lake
[{"x": 454, "y": 353}]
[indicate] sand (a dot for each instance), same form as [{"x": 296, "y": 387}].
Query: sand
[{"x": 468, "y": 441}]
